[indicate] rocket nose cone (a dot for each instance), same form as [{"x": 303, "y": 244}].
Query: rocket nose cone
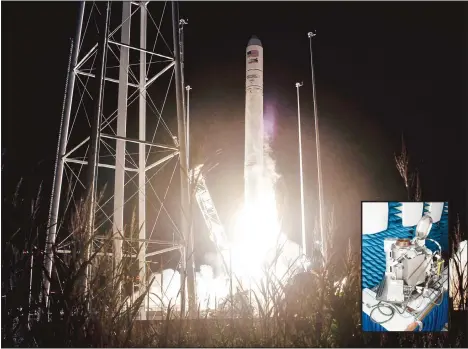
[{"x": 254, "y": 41}]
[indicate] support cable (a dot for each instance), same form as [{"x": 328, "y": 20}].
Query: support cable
[{"x": 157, "y": 37}]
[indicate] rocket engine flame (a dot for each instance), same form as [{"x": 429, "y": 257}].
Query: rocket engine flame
[{"x": 260, "y": 254}]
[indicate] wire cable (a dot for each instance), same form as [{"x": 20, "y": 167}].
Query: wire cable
[
  {"x": 438, "y": 245},
  {"x": 378, "y": 306},
  {"x": 394, "y": 309}
]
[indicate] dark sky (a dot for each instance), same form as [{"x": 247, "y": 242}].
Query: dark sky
[{"x": 383, "y": 69}]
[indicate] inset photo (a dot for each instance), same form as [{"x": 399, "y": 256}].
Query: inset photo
[{"x": 405, "y": 269}]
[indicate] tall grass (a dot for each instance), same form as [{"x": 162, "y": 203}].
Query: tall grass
[
  {"x": 319, "y": 308},
  {"x": 459, "y": 270}
]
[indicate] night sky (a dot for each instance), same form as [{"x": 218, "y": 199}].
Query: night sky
[{"x": 383, "y": 70}]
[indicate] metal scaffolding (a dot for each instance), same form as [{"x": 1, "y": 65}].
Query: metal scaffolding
[{"x": 104, "y": 143}]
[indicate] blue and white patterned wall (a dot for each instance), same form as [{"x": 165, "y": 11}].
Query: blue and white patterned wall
[{"x": 382, "y": 220}]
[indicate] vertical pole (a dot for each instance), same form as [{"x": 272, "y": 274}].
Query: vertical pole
[
  {"x": 119, "y": 191},
  {"x": 187, "y": 252},
  {"x": 319, "y": 161},
  {"x": 231, "y": 291},
  {"x": 301, "y": 173},
  {"x": 142, "y": 158},
  {"x": 95, "y": 140},
  {"x": 188, "y": 88},
  {"x": 60, "y": 159},
  {"x": 183, "y": 279},
  {"x": 188, "y": 272},
  {"x": 190, "y": 174},
  {"x": 161, "y": 268},
  {"x": 182, "y": 22},
  {"x": 148, "y": 304},
  {"x": 31, "y": 266}
]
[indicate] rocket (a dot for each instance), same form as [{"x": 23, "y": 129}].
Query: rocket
[{"x": 254, "y": 137}]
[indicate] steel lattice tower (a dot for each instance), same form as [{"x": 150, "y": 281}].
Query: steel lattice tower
[{"x": 115, "y": 135}]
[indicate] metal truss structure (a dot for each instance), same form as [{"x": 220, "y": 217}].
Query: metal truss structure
[
  {"x": 114, "y": 124},
  {"x": 210, "y": 216}
]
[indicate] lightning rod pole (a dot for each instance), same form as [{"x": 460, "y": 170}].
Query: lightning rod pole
[
  {"x": 182, "y": 22},
  {"x": 188, "y": 88},
  {"x": 188, "y": 271},
  {"x": 310, "y": 35},
  {"x": 301, "y": 173}
]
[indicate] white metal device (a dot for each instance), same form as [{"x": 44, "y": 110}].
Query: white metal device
[
  {"x": 413, "y": 273},
  {"x": 410, "y": 265}
]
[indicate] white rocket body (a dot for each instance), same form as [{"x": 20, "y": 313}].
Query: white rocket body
[{"x": 254, "y": 136}]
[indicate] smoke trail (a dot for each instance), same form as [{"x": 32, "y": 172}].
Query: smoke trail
[
  {"x": 263, "y": 252},
  {"x": 166, "y": 288}
]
